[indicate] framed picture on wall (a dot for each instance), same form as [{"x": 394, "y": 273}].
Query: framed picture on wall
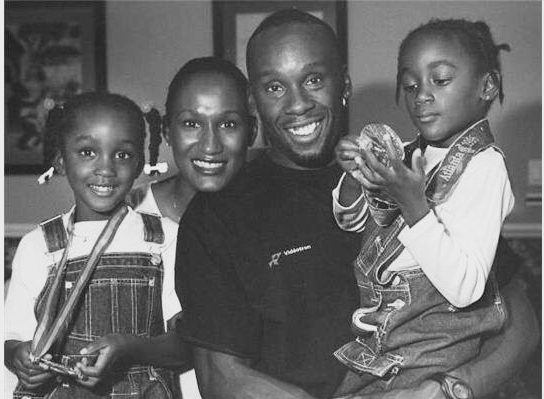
[
  {"x": 52, "y": 50},
  {"x": 235, "y": 21}
]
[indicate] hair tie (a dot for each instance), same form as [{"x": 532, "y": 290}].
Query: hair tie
[
  {"x": 147, "y": 107},
  {"x": 161, "y": 167},
  {"x": 46, "y": 176}
]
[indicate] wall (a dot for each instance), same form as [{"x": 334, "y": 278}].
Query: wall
[
  {"x": 375, "y": 30},
  {"x": 148, "y": 41}
]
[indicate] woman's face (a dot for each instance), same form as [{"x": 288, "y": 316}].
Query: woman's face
[{"x": 209, "y": 130}]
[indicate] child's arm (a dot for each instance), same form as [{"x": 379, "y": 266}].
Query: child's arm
[
  {"x": 455, "y": 244},
  {"x": 349, "y": 206},
  {"x": 17, "y": 359},
  {"x": 27, "y": 280}
]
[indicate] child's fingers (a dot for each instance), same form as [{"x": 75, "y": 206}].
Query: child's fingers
[
  {"x": 371, "y": 168},
  {"x": 93, "y": 347},
  {"x": 390, "y": 148},
  {"x": 34, "y": 378},
  {"x": 367, "y": 184},
  {"x": 89, "y": 382},
  {"x": 97, "y": 369},
  {"x": 348, "y": 155},
  {"x": 373, "y": 163}
]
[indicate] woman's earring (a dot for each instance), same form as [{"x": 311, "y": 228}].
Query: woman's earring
[{"x": 344, "y": 102}]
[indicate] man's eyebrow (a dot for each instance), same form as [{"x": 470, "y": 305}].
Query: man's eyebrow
[{"x": 268, "y": 73}]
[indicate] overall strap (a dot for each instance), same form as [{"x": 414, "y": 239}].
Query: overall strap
[
  {"x": 153, "y": 231},
  {"x": 381, "y": 245},
  {"x": 54, "y": 233},
  {"x": 52, "y": 327}
]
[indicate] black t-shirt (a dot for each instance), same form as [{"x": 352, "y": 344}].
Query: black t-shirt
[{"x": 263, "y": 272}]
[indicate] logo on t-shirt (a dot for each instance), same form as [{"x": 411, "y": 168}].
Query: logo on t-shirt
[{"x": 275, "y": 258}]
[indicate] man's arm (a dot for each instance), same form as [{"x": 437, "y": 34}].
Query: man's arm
[{"x": 225, "y": 376}]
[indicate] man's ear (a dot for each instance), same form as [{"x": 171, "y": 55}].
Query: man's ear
[
  {"x": 58, "y": 164},
  {"x": 490, "y": 88}
]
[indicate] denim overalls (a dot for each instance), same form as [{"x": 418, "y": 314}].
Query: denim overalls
[
  {"x": 406, "y": 330},
  {"x": 122, "y": 297}
]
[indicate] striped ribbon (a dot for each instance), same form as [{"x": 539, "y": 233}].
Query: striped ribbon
[{"x": 51, "y": 328}]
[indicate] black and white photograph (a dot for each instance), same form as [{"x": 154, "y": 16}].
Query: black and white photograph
[{"x": 276, "y": 199}]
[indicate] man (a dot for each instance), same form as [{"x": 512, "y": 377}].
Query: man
[{"x": 263, "y": 272}]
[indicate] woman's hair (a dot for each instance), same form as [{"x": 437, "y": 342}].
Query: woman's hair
[
  {"x": 476, "y": 39},
  {"x": 63, "y": 118},
  {"x": 211, "y": 65}
]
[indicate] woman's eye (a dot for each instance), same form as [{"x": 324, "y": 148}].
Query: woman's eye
[
  {"x": 228, "y": 124},
  {"x": 190, "y": 124},
  {"x": 86, "y": 153}
]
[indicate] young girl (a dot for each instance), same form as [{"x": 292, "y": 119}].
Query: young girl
[
  {"x": 91, "y": 288},
  {"x": 426, "y": 284},
  {"x": 209, "y": 128}
]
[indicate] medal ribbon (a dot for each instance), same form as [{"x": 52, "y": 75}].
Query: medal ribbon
[{"x": 51, "y": 328}]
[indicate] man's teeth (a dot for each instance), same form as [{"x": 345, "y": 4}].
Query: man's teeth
[
  {"x": 207, "y": 164},
  {"x": 101, "y": 189},
  {"x": 304, "y": 130}
]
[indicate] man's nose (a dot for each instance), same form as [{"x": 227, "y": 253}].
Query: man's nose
[{"x": 299, "y": 102}]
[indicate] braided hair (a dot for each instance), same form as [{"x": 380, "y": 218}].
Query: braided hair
[
  {"x": 476, "y": 39},
  {"x": 63, "y": 118}
]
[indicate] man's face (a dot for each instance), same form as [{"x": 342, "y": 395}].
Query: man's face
[{"x": 297, "y": 83}]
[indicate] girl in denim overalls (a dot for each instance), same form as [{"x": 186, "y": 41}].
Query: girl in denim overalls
[
  {"x": 427, "y": 288},
  {"x": 91, "y": 289}
]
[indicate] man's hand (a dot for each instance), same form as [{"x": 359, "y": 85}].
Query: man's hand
[{"x": 30, "y": 375}]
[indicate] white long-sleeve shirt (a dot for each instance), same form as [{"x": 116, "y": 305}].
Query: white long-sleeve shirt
[{"x": 455, "y": 243}]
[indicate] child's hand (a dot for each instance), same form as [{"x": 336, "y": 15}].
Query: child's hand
[
  {"x": 111, "y": 349},
  {"x": 30, "y": 375},
  {"x": 348, "y": 155},
  {"x": 404, "y": 185}
]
